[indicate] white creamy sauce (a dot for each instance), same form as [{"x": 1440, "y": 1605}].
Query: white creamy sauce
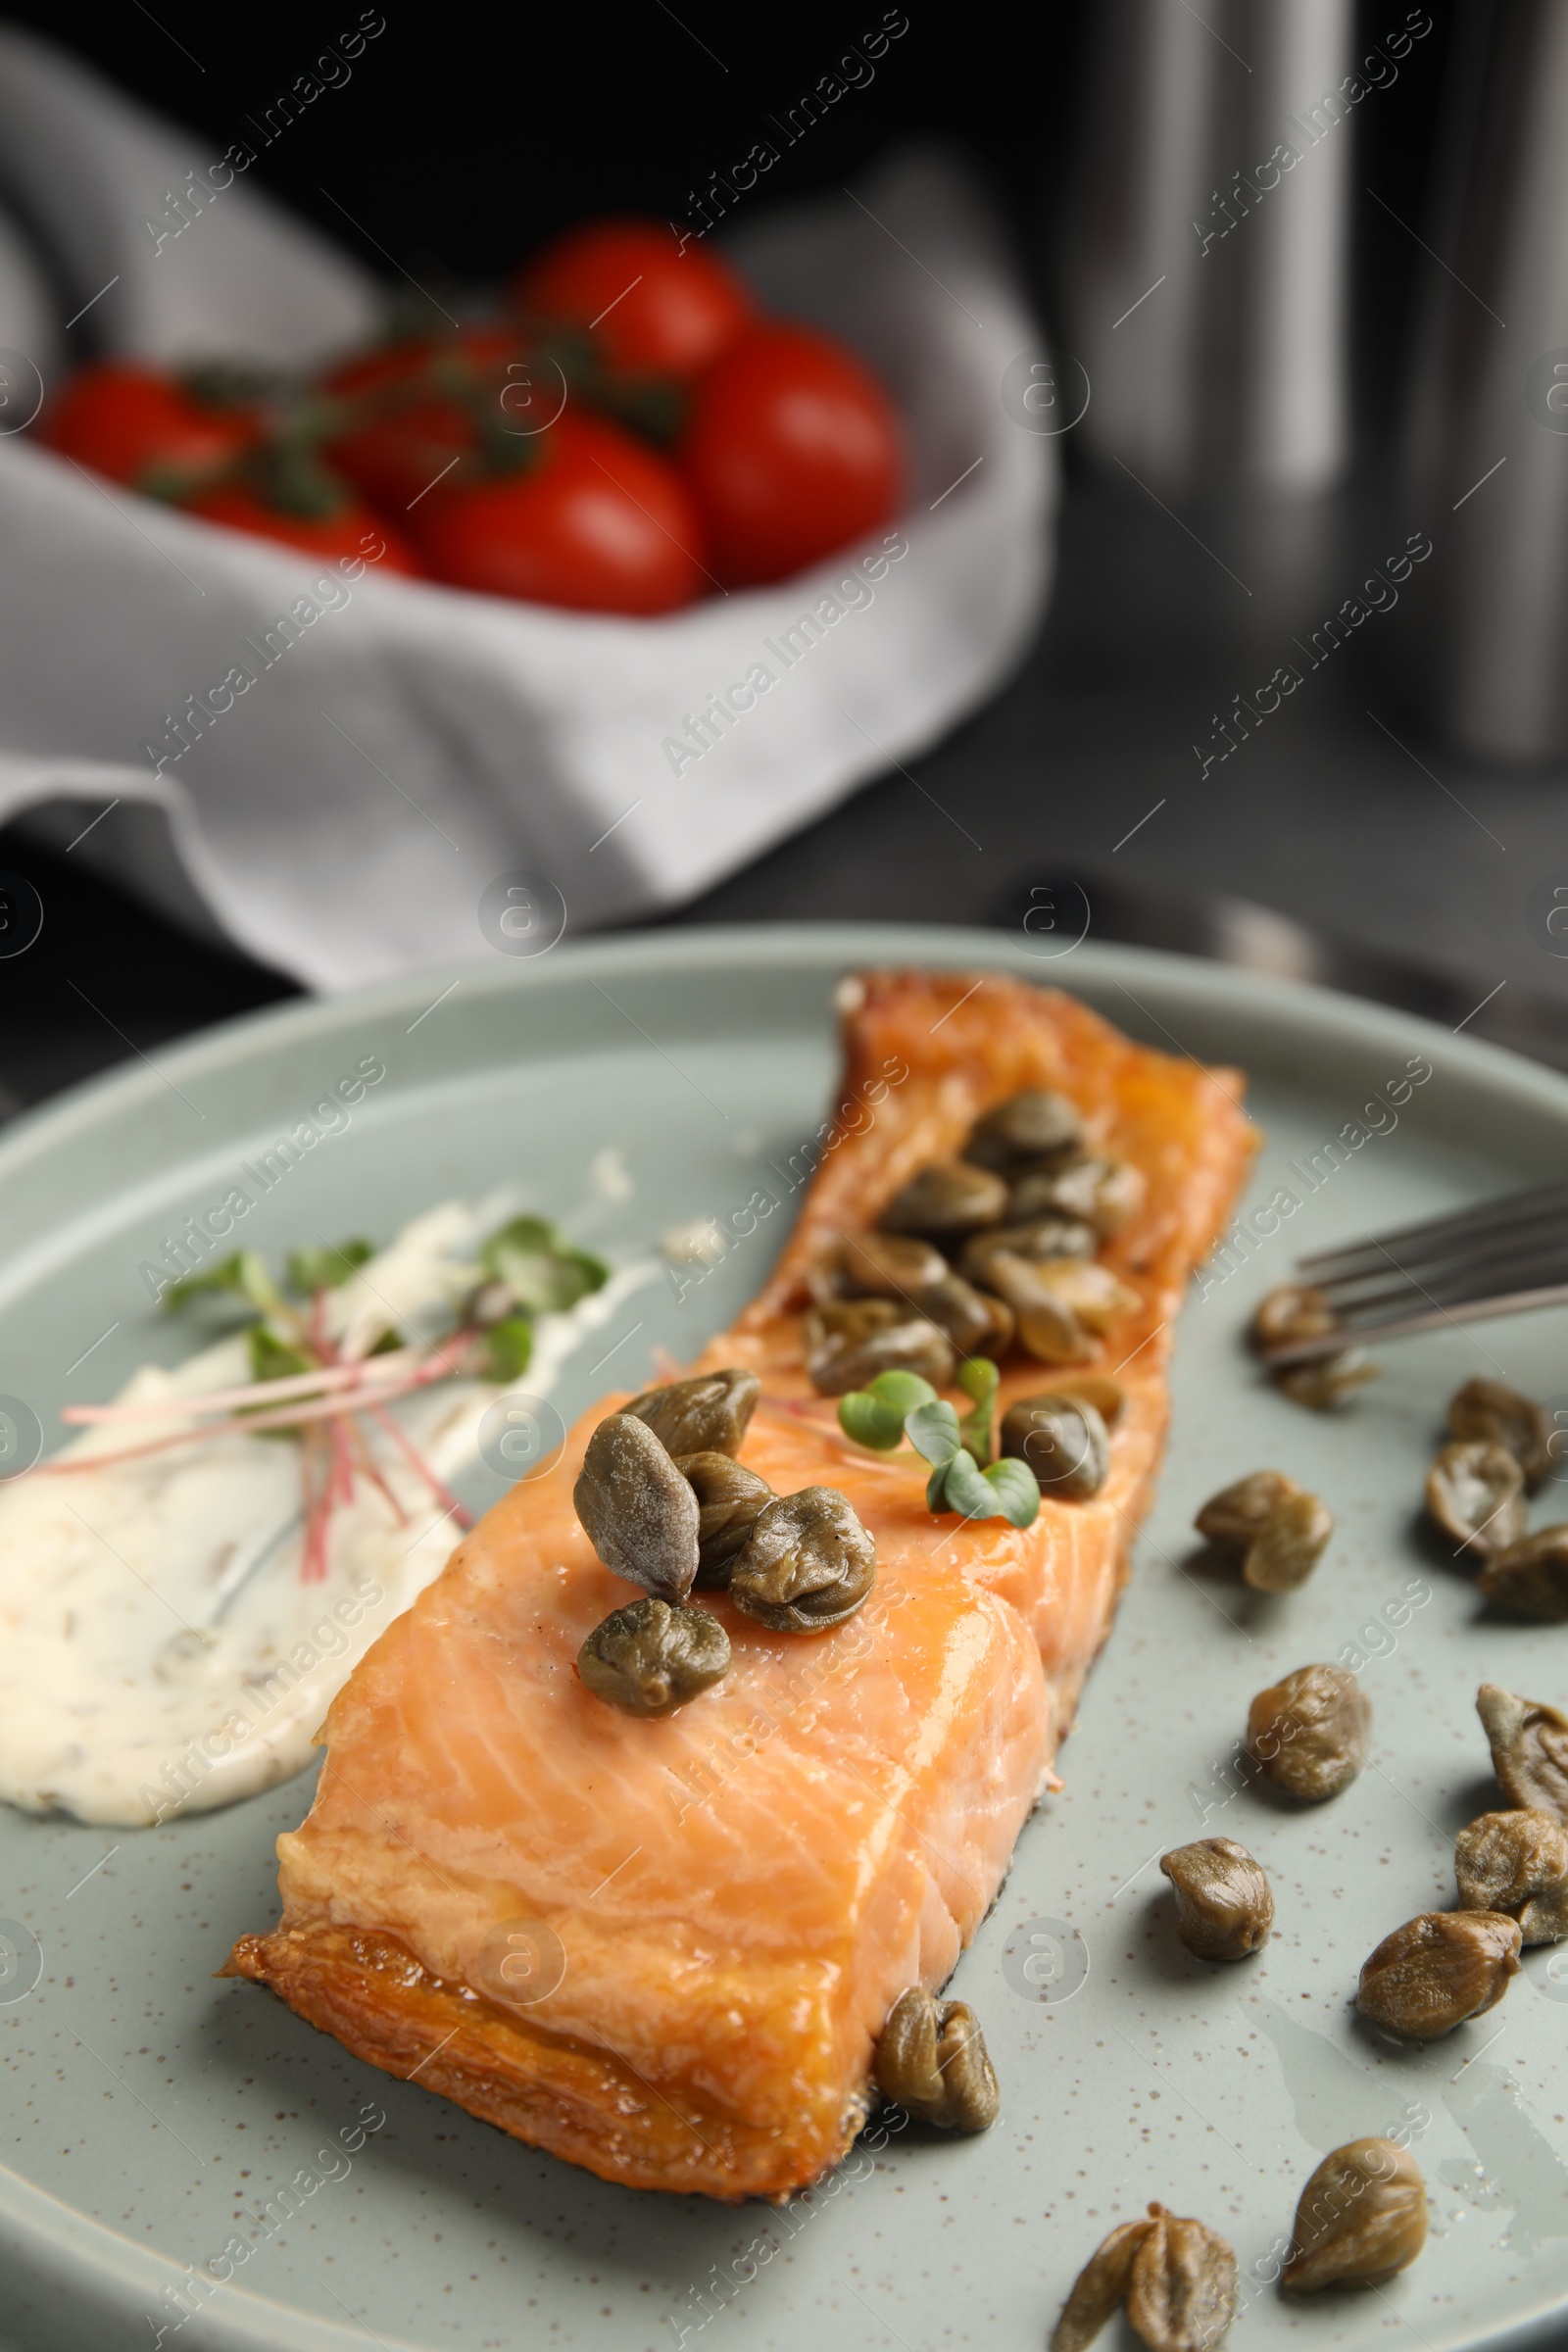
[{"x": 159, "y": 1651}]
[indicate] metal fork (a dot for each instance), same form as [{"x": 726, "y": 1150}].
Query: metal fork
[{"x": 1503, "y": 1258}]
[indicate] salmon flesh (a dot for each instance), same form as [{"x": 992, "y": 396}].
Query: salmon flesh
[{"x": 663, "y": 1948}]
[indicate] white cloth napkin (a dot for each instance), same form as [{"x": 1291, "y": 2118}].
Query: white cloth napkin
[{"x": 402, "y": 745}]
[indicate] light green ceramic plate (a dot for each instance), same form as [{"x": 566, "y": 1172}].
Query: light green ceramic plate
[{"x": 147, "y": 2111}]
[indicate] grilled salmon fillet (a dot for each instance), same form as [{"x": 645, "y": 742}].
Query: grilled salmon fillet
[{"x": 663, "y": 1948}]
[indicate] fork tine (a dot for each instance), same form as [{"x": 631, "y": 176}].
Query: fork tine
[
  {"x": 1504, "y": 1257},
  {"x": 1470, "y": 1310},
  {"x": 1511, "y": 1265},
  {"x": 1440, "y": 1232}
]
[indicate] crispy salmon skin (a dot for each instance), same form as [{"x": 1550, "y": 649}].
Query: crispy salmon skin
[{"x": 663, "y": 1948}]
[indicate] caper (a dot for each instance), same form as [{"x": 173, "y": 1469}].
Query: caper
[
  {"x": 1224, "y": 1908},
  {"x": 1327, "y": 1381},
  {"x": 1530, "y": 1576},
  {"x": 1437, "y": 1970},
  {"x": 1475, "y": 1492},
  {"x": 1108, "y": 1395},
  {"x": 1105, "y": 1193},
  {"x": 850, "y": 1340},
  {"x": 1234, "y": 1516},
  {"x": 1096, "y": 1295},
  {"x": 640, "y": 1514},
  {"x": 976, "y": 1323},
  {"x": 1488, "y": 1408},
  {"x": 1099, "y": 2286},
  {"x": 728, "y": 1499},
  {"x": 1361, "y": 2219},
  {"x": 1036, "y": 1128},
  {"x": 1177, "y": 2278},
  {"x": 806, "y": 1564},
  {"x": 707, "y": 1414},
  {"x": 1064, "y": 1441},
  {"x": 888, "y": 1265},
  {"x": 946, "y": 1200},
  {"x": 1288, "y": 1544},
  {"x": 1309, "y": 1732},
  {"x": 1528, "y": 1748},
  {"x": 1293, "y": 1312},
  {"x": 1516, "y": 1862},
  {"x": 931, "y": 2058},
  {"x": 1046, "y": 1325},
  {"x": 651, "y": 1657},
  {"x": 1181, "y": 2290},
  {"x": 1037, "y": 1238}
]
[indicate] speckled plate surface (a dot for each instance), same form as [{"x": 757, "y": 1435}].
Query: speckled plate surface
[{"x": 151, "y": 2118}]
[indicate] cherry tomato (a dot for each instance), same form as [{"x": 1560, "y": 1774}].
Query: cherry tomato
[
  {"x": 347, "y": 529},
  {"x": 655, "y": 310},
  {"x": 415, "y": 407},
  {"x": 591, "y": 519},
  {"x": 792, "y": 450},
  {"x": 137, "y": 426}
]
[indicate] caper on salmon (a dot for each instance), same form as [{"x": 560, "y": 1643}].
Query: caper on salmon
[
  {"x": 1064, "y": 1441},
  {"x": 888, "y": 1265},
  {"x": 806, "y": 1565},
  {"x": 653, "y": 1655},
  {"x": 931, "y": 2058},
  {"x": 728, "y": 1499},
  {"x": 850, "y": 1340},
  {"x": 640, "y": 1515},
  {"x": 1040, "y": 1238},
  {"x": 946, "y": 1200},
  {"x": 976, "y": 1322},
  {"x": 1107, "y": 1192},
  {"x": 1049, "y": 1329},
  {"x": 706, "y": 1414},
  {"x": 1035, "y": 1129}
]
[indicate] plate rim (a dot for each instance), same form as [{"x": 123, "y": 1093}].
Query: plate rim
[
  {"x": 52, "y": 2242},
  {"x": 1300, "y": 1005}
]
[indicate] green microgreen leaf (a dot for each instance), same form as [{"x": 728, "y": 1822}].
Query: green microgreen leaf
[
  {"x": 933, "y": 1429},
  {"x": 509, "y": 1345},
  {"x": 936, "y": 1487},
  {"x": 323, "y": 1269},
  {"x": 875, "y": 1416},
  {"x": 1007, "y": 1491},
  {"x": 1017, "y": 1492},
  {"x": 243, "y": 1275},
  {"x": 869, "y": 1422},
  {"x": 544, "y": 1274},
  {"x": 980, "y": 1379},
  {"x": 273, "y": 1358}
]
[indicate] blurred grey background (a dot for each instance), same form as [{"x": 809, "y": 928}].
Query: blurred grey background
[{"x": 1296, "y": 372}]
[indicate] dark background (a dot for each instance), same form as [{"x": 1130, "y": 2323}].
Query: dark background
[{"x": 463, "y": 139}]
